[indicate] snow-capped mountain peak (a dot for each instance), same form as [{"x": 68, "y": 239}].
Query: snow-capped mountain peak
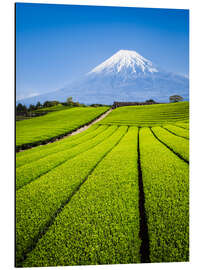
[
  {"x": 125, "y": 76},
  {"x": 125, "y": 60}
]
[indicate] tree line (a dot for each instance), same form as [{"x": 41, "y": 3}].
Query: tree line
[{"x": 23, "y": 109}]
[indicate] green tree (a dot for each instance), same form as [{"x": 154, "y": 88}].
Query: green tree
[
  {"x": 175, "y": 98},
  {"x": 54, "y": 102},
  {"x": 69, "y": 101},
  {"x": 38, "y": 105},
  {"x": 32, "y": 107},
  {"x": 21, "y": 108},
  {"x": 150, "y": 101},
  {"x": 47, "y": 104}
]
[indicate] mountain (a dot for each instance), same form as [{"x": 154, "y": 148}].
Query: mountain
[{"x": 125, "y": 76}]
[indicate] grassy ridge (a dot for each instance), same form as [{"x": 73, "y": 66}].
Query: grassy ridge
[
  {"x": 178, "y": 131},
  {"x": 37, "y": 153},
  {"x": 38, "y": 202},
  {"x": 45, "y": 147},
  {"x": 166, "y": 188},
  {"x": 177, "y": 144},
  {"x": 100, "y": 225},
  {"x": 42, "y": 128},
  {"x": 58, "y": 107},
  {"x": 27, "y": 173},
  {"x": 183, "y": 125},
  {"x": 148, "y": 115}
]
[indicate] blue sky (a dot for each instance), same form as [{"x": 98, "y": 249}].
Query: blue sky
[{"x": 57, "y": 43}]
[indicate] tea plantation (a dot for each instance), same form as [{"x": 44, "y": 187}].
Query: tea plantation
[
  {"x": 116, "y": 193},
  {"x": 44, "y": 128},
  {"x": 149, "y": 115}
]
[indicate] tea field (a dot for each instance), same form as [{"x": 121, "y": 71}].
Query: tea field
[
  {"x": 37, "y": 130},
  {"x": 116, "y": 193},
  {"x": 158, "y": 114}
]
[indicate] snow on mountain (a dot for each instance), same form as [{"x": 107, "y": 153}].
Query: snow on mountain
[
  {"x": 125, "y": 76},
  {"x": 125, "y": 60}
]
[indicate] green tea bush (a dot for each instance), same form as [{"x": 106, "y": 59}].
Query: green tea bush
[
  {"x": 41, "y": 151},
  {"x": 42, "y": 128},
  {"x": 38, "y": 202},
  {"x": 148, "y": 115},
  {"x": 166, "y": 188},
  {"x": 100, "y": 225},
  {"x": 177, "y": 144},
  {"x": 27, "y": 173},
  {"x": 178, "y": 131},
  {"x": 182, "y": 125}
]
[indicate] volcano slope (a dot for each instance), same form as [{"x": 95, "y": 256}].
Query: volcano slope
[{"x": 115, "y": 193}]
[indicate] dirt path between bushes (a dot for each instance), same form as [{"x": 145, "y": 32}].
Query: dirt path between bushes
[{"x": 89, "y": 125}]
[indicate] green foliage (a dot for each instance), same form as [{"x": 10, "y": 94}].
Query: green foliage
[
  {"x": 178, "y": 144},
  {"x": 166, "y": 188},
  {"x": 77, "y": 199},
  {"x": 69, "y": 101},
  {"x": 39, "y": 129},
  {"x": 38, "y": 202},
  {"x": 177, "y": 130},
  {"x": 31, "y": 108},
  {"x": 38, "y": 105},
  {"x": 150, "y": 101},
  {"x": 101, "y": 222},
  {"x": 175, "y": 98},
  {"x": 148, "y": 115},
  {"x": 21, "y": 109},
  {"x": 183, "y": 125},
  {"x": 31, "y": 171},
  {"x": 97, "y": 105},
  {"x": 41, "y": 151},
  {"x": 50, "y": 103},
  {"x": 58, "y": 107}
]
